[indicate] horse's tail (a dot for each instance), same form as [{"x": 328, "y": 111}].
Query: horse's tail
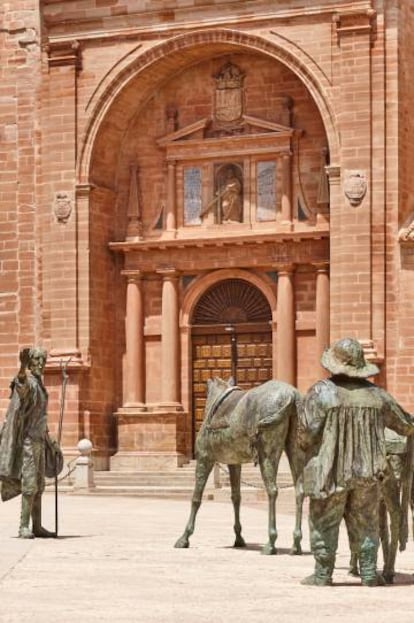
[
  {"x": 277, "y": 416},
  {"x": 295, "y": 454}
]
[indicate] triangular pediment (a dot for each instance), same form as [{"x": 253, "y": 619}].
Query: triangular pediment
[
  {"x": 194, "y": 128},
  {"x": 264, "y": 124},
  {"x": 185, "y": 132}
]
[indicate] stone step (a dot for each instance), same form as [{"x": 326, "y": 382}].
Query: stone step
[
  {"x": 185, "y": 493},
  {"x": 178, "y": 483}
]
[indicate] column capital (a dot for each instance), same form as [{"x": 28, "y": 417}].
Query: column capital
[
  {"x": 167, "y": 272},
  {"x": 321, "y": 267},
  {"x": 64, "y": 53},
  {"x": 132, "y": 275},
  {"x": 334, "y": 173},
  {"x": 285, "y": 269},
  {"x": 84, "y": 189}
]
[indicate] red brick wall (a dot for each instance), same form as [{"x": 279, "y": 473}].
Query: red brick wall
[
  {"x": 19, "y": 176},
  {"x": 59, "y": 283},
  {"x": 401, "y": 264}
]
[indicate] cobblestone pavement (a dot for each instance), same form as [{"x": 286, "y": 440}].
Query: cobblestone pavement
[{"x": 115, "y": 561}]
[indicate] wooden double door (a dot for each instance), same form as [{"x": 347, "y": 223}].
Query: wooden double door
[{"x": 212, "y": 356}]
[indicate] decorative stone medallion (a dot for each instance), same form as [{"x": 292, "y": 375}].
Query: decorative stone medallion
[
  {"x": 62, "y": 206},
  {"x": 355, "y": 186}
]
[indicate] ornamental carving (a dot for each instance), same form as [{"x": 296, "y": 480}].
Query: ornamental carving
[
  {"x": 406, "y": 233},
  {"x": 62, "y": 206},
  {"x": 355, "y": 186},
  {"x": 229, "y": 94}
]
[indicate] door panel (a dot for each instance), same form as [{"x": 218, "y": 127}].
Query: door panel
[{"x": 211, "y": 357}]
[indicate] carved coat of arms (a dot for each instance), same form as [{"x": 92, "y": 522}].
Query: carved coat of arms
[
  {"x": 355, "y": 186},
  {"x": 229, "y": 93},
  {"x": 62, "y": 206}
]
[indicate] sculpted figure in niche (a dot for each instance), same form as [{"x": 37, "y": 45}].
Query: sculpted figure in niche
[{"x": 230, "y": 197}]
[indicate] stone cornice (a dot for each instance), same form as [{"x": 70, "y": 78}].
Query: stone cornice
[
  {"x": 146, "y": 24},
  {"x": 215, "y": 240}
]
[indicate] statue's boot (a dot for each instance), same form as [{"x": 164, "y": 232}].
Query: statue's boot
[
  {"x": 322, "y": 575},
  {"x": 38, "y": 529},
  {"x": 368, "y": 565},
  {"x": 26, "y": 509}
]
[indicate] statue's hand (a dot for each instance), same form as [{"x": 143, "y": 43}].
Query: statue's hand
[{"x": 24, "y": 358}]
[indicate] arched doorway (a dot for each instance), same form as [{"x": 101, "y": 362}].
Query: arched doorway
[{"x": 231, "y": 336}]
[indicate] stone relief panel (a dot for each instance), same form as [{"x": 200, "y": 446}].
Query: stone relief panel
[
  {"x": 192, "y": 195},
  {"x": 266, "y": 191},
  {"x": 229, "y": 94}
]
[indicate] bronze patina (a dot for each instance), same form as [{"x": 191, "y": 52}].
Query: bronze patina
[
  {"x": 24, "y": 440},
  {"x": 394, "y": 504},
  {"x": 342, "y": 429},
  {"x": 243, "y": 426}
]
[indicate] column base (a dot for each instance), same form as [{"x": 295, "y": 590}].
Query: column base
[
  {"x": 166, "y": 407},
  {"x": 146, "y": 461},
  {"x": 149, "y": 439}
]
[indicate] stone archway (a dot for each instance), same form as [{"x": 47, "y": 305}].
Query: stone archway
[{"x": 231, "y": 336}]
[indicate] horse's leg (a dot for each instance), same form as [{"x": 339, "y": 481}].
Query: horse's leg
[
  {"x": 268, "y": 468},
  {"x": 353, "y": 565},
  {"x": 391, "y": 505},
  {"x": 235, "y": 473},
  {"x": 297, "y": 532},
  {"x": 296, "y": 461},
  {"x": 203, "y": 469}
]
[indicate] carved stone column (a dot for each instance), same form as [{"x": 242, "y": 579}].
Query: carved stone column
[
  {"x": 170, "y": 339},
  {"x": 286, "y": 320},
  {"x": 134, "y": 333},
  {"x": 322, "y": 311}
]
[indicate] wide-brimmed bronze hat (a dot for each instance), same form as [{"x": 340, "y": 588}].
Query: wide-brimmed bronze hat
[{"x": 346, "y": 356}]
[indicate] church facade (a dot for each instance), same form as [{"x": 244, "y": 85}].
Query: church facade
[{"x": 193, "y": 189}]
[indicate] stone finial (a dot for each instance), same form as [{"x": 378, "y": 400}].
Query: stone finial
[{"x": 84, "y": 465}]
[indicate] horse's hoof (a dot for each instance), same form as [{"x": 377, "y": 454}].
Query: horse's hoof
[
  {"x": 354, "y": 573},
  {"x": 269, "y": 550},
  {"x": 388, "y": 578},
  {"x": 182, "y": 544},
  {"x": 239, "y": 542},
  {"x": 296, "y": 551}
]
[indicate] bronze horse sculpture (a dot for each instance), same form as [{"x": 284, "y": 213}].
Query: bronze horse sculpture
[
  {"x": 396, "y": 497},
  {"x": 241, "y": 426}
]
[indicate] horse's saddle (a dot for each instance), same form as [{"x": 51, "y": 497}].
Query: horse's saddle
[{"x": 220, "y": 418}]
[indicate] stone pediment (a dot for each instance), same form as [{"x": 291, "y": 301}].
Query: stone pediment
[{"x": 247, "y": 125}]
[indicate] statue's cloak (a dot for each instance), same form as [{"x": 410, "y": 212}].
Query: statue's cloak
[{"x": 11, "y": 447}]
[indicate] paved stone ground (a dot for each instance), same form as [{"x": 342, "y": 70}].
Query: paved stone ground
[{"x": 115, "y": 561}]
